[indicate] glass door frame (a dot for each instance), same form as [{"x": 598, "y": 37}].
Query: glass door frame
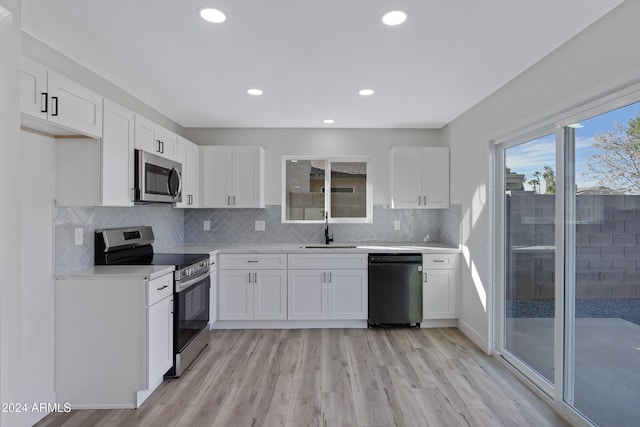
[
  {"x": 592, "y": 104},
  {"x": 498, "y": 151},
  {"x": 613, "y": 101}
]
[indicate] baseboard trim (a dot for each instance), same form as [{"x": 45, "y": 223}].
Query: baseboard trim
[
  {"x": 288, "y": 324},
  {"x": 49, "y": 402},
  {"x": 439, "y": 323},
  {"x": 474, "y": 336}
]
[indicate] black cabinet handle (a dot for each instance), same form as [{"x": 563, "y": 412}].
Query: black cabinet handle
[
  {"x": 54, "y": 106},
  {"x": 44, "y": 102}
]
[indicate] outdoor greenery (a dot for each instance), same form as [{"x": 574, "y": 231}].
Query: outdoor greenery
[{"x": 616, "y": 162}]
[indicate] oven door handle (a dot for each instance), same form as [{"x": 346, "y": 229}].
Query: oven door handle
[{"x": 182, "y": 286}]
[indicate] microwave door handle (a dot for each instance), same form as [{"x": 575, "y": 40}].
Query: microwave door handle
[{"x": 175, "y": 193}]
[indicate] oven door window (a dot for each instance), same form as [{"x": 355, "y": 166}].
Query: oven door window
[{"x": 192, "y": 312}]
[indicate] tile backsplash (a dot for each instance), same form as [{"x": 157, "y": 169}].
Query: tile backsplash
[
  {"x": 235, "y": 226},
  {"x": 167, "y": 223},
  {"x": 173, "y": 227}
]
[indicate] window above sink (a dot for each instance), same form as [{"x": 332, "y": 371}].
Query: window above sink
[{"x": 313, "y": 186}]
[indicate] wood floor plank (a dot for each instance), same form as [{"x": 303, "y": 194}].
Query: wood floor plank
[
  {"x": 305, "y": 404},
  {"x": 338, "y": 410},
  {"x": 337, "y": 377}
]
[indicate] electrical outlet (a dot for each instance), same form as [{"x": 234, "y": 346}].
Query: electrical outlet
[
  {"x": 206, "y": 225},
  {"x": 396, "y": 225},
  {"x": 79, "y": 236},
  {"x": 260, "y": 225}
]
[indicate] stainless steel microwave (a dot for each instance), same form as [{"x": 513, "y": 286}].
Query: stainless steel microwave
[{"x": 158, "y": 180}]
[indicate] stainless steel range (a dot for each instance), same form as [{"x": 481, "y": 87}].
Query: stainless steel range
[{"x": 133, "y": 246}]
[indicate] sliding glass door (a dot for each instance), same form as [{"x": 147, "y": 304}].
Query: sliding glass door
[
  {"x": 529, "y": 247},
  {"x": 569, "y": 260},
  {"x": 602, "y": 287}
]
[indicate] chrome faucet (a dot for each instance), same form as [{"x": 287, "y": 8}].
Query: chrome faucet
[{"x": 328, "y": 238}]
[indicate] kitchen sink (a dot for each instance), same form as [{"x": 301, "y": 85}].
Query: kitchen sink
[{"x": 328, "y": 247}]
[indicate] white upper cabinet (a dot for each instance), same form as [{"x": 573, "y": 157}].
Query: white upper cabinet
[
  {"x": 420, "y": 177},
  {"x": 33, "y": 88},
  {"x": 94, "y": 172},
  {"x": 57, "y": 100},
  {"x": 232, "y": 177},
  {"x": 153, "y": 138},
  {"x": 187, "y": 153},
  {"x": 117, "y": 155}
]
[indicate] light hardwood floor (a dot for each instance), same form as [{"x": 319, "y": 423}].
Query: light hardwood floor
[{"x": 334, "y": 377}]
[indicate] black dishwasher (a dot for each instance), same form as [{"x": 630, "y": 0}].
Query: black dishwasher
[{"x": 395, "y": 289}]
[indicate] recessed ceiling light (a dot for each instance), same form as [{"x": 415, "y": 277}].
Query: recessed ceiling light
[
  {"x": 255, "y": 92},
  {"x": 212, "y": 15},
  {"x": 366, "y": 92},
  {"x": 576, "y": 125},
  {"x": 394, "y": 17},
  {"x": 328, "y": 121}
]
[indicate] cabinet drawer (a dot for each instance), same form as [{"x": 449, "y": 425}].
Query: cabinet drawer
[
  {"x": 440, "y": 261},
  {"x": 327, "y": 261},
  {"x": 160, "y": 288},
  {"x": 253, "y": 262}
]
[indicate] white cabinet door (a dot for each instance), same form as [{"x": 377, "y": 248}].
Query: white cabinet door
[
  {"x": 406, "y": 177},
  {"x": 117, "y": 155},
  {"x": 217, "y": 179},
  {"x": 187, "y": 156},
  {"x": 236, "y": 295},
  {"x": 74, "y": 106},
  {"x": 347, "y": 294},
  {"x": 49, "y": 96},
  {"x": 307, "y": 295},
  {"x": 145, "y": 135},
  {"x": 213, "y": 294},
  {"x": 153, "y": 138},
  {"x": 193, "y": 171},
  {"x": 33, "y": 88},
  {"x": 168, "y": 142},
  {"x": 420, "y": 177},
  {"x": 248, "y": 177},
  {"x": 233, "y": 177},
  {"x": 435, "y": 175},
  {"x": 439, "y": 294},
  {"x": 270, "y": 295},
  {"x": 160, "y": 339}
]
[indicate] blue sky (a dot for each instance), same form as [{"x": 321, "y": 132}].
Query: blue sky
[{"x": 534, "y": 155}]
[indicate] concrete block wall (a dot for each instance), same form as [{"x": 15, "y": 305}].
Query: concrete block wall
[{"x": 607, "y": 248}]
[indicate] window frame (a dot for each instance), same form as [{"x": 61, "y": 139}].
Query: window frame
[{"x": 368, "y": 219}]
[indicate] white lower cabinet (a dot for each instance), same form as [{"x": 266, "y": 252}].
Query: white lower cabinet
[
  {"x": 253, "y": 294},
  {"x": 318, "y": 290},
  {"x": 307, "y": 299},
  {"x": 439, "y": 286},
  {"x": 160, "y": 321},
  {"x": 213, "y": 293},
  {"x": 114, "y": 339},
  {"x": 347, "y": 294},
  {"x": 327, "y": 294}
]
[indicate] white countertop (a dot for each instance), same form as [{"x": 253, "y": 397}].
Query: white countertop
[
  {"x": 117, "y": 271},
  {"x": 334, "y": 248}
]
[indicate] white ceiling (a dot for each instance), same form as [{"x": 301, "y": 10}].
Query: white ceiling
[{"x": 309, "y": 57}]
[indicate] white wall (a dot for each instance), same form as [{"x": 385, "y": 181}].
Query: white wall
[
  {"x": 603, "y": 55},
  {"x": 37, "y": 189},
  {"x": 10, "y": 281},
  {"x": 324, "y": 142},
  {"x": 42, "y": 53}
]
